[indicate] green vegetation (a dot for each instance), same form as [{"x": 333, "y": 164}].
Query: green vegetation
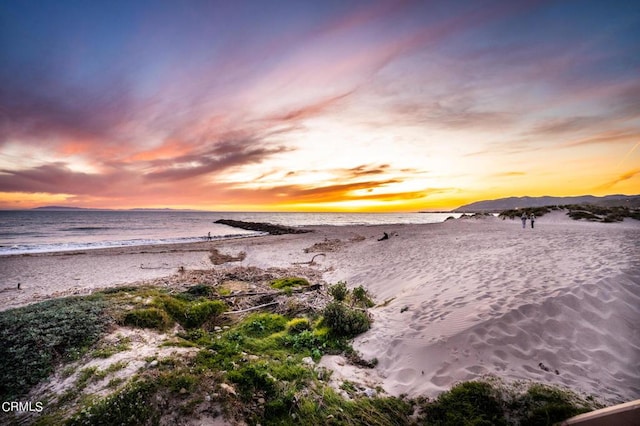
[
  {"x": 470, "y": 403},
  {"x": 255, "y": 369},
  {"x": 601, "y": 214},
  {"x": 130, "y": 406},
  {"x": 192, "y": 314},
  {"x": 261, "y": 325},
  {"x": 288, "y": 283},
  {"x": 483, "y": 403},
  {"x": 38, "y": 337},
  {"x": 148, "y": 318},
  {"x": 546, "y": 405},
  {"x": 348, "y": 321},
  {"x": 298, "y": 325},
  {"x": 580, "y": 211},
  {"x": 339, "y": 291},
  {"x": 200, "y": 290},
  {"x": 345, "y": 321},
  {"x": 105, "y": 350},
  {"x": 360, "y": 297},
  {"x": 84, "y": 376},
  {"x": 517, "y": 213},
  {"x": 116, "y": 366},
  {"x": 581, "y": 214}
]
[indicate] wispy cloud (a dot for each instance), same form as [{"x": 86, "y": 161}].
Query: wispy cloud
[
  {"x": 459, "y": 114},
  {"x": 311, "y": 110},
  {"x": 623, "y": 177},
  {"x": 509, "y": 174},
  {"x": 565, "y": 125},
  {"x": 607, "y": 137},
  {"x": 52, "y": 111},
  {"x": 356, "y": 191},
  {"x": 219, "y": 157},
  {"x": 58, "y": 178}
]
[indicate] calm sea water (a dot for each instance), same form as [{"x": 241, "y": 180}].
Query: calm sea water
[{"x": 38, "y": 231}]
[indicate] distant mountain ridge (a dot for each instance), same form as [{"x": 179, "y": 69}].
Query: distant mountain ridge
[
  {"x": 632, "y": 201},
  {"x": 138, "y": 209},
  {"x": 65, "y": 208}
]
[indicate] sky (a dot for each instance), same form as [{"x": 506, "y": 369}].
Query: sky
[{"x": 316, "y": 105}]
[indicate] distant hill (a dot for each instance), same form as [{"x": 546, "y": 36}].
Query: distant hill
[
  {"x": 67, "y": 208},
  {"x": 62, "y": 208},
  {"x": 521, "y": 202},
  {"x": 165, "y": 209}
]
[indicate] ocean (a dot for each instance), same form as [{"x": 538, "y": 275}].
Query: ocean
[{"x": 42, "y": 231}]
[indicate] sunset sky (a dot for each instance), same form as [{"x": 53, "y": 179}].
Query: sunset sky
[{"x": 316, "y": 105}]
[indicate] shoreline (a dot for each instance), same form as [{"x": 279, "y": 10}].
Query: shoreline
[
  {"x": 196, "y": 240},
  {"x": 464, "y": 298}
]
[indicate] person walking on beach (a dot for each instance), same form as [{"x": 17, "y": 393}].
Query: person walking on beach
[
  {"x": 524, "y": 220},
  {"x": 209, "y": 236},
  {"x": 532, "y": 218}
]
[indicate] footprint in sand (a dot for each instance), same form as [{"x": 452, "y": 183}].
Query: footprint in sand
[
  {"x": 476, "y": 369},
  {"x": 501, "y": 355}
]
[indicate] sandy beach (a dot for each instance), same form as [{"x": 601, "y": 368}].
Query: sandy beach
[{"x": 469, "y": 297}]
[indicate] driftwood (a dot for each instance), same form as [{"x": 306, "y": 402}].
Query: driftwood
[
  {"x": 164, "y": 266},
  {"x": 272, "y": 293},
  {"x": 311, "y": 262},
  {"x": 249, "y": 294},
  {"x": 253, "y": 308},
  {"x": 218, "y": 258}
]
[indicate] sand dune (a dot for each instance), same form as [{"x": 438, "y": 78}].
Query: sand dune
[
  {"x": 558, "y": 304},
  {"x": 516, "y": 303}
]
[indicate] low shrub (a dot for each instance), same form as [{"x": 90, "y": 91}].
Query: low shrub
[
  {"x": 197, "y": 291},
  {"x": 469, "y": 403},
  {"x": 131, "y": 406},
  {"x": 147, "y": 318},
  {"x": 37, "y": 337},
  {"x": 175, "y": 381},
  {"x": 288, "y": 283},
  {"x": 200, "y": 312},
  {"x": 517, "y": 213},
  {"x": 303, "y": 341},
  {"x": 320, "y": 407},
  {"x": 345, "y": 321},
  {"x": 613, "y": 217},
  {"x": 222, "y": 354},
  {"x": 581, "y": 214},
  {"x": 298, "y": 325},
  {"x": 360, "y": 297},
  {"x": 262, "y": 325},
  {"x": 546, "y": 405},
  {"x": 252, "y": 378},
  {"x": 173, "y": 306},
  {"x": 339, "y": 291},
  {"x": 121, "y": 289},
  {"x": 192, "y": 314},
  {"x": 483, "y": 403}
]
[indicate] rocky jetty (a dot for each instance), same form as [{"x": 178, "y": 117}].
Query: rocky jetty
[{"x": 262, "y": 227}]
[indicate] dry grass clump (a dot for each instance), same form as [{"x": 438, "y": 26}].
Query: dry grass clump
[{"x": 324, "y": 246}]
